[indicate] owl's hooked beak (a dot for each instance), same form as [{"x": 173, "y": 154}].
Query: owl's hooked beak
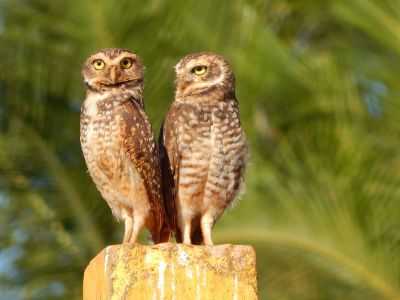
[{"x": 113, "y": 75}]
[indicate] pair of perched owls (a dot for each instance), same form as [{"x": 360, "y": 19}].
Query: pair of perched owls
[{"x": 184, "y": 185}]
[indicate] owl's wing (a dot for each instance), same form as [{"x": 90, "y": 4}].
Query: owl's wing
[
  {"x": 140, "y": 147},
  {"x": 170, "y": 160}
]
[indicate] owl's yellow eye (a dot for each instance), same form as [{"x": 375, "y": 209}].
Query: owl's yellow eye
[
  {"x": 98, "y": 64},
  {"x": 199, "y": 70},
  {"x": 126, "y": 63}
]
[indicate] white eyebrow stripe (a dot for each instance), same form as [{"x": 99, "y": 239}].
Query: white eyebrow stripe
[
  {"x": 109, "y": 61},
  {"x": 216, "y": 81},
  {"x": 193, "y": 63},
  {"x": 118, "y": 58}
]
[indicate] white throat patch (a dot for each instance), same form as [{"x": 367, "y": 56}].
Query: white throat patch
[{"x": 91, "y": 104}]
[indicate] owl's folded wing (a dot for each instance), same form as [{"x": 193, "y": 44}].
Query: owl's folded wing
[
  {"x": 170, "y": 160},
  {"x": 140, "y": 147}
]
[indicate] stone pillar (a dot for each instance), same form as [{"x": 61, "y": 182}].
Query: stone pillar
[{"x": 172, "y": 271}]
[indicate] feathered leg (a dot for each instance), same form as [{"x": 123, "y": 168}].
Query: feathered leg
[
  {"x": 185, "y": 225},
  {"x": 128, "y": 229},
  {"x": 206, "y": 225},
  {"x": 138, "y": 222}
]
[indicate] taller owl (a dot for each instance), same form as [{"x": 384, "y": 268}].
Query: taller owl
[
  {"x": 203, "y": 147},
  {"x": 118, "y": 142}
]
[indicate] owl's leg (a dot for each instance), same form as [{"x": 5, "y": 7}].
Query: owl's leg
[
  {"x": 186, "y": 233},
  {"x": 206, "y": 225},
  {"x": 128, "y": 229},
  {"x": 138, "y": 222},
  {"x": 185, "y": 224}
]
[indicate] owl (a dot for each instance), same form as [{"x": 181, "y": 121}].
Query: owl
[
  {"x": 202, "y": 146},
  {"x": 118, "y": 142}
]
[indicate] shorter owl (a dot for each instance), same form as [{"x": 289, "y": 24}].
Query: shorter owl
[
  {"x": 203, "y": 147},
  {"x": 118, "y": 143}
]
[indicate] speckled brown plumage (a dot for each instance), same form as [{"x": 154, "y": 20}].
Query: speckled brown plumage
[
  {"x": 203, "y": 147},
  {"x": 118, "y": 143}
]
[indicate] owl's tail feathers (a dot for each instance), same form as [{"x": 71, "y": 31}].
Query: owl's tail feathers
[
  {"x": 165, "y": 233},
  {"x": 160, "y": 235}
]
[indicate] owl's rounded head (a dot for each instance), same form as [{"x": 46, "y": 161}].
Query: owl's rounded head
[
  {"x": 112, "y": 68},
  {"x": 200, "y": 73}
]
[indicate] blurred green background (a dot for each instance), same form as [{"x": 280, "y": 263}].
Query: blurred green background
[{"x": 319, "y": 94}]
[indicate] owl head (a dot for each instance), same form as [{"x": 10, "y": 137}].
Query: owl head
[
  {"x": 200, "y": 73},
  {"x": 112, "y": 68}
]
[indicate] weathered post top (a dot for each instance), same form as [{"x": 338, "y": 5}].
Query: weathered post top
[{"x": 172, "y": 271}]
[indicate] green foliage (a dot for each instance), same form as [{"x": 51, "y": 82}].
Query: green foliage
[{"x": 317, "y": 83}]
